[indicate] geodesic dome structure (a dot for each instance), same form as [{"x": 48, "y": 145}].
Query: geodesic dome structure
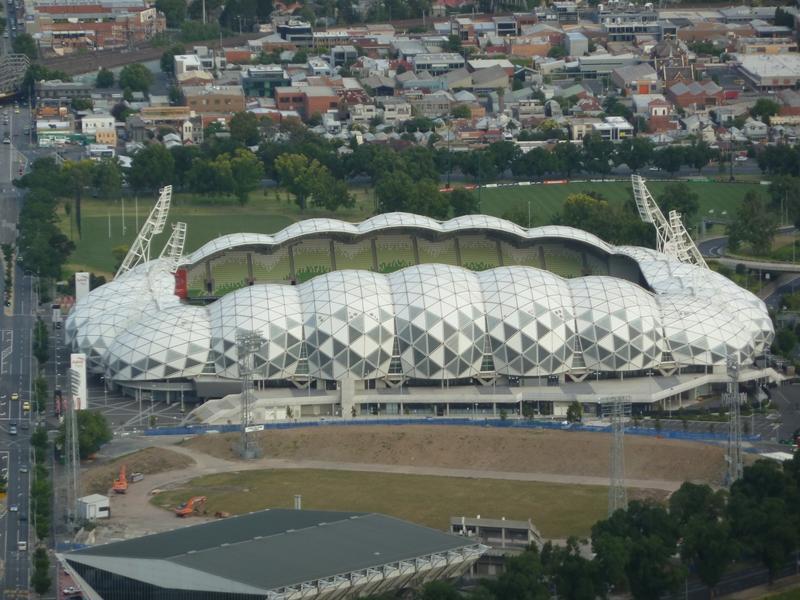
[{"x": 424, "y": 322}]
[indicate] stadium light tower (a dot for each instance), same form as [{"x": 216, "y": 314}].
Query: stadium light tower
[
  {"x": 140, "y": 248},
  {"x": 617, "y": 409},
  {"x": 247, "y": 344},
  {"x": 733, "y": 399}
]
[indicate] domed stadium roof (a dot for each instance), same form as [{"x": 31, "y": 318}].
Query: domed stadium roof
[{"x": 428, "y": 321}]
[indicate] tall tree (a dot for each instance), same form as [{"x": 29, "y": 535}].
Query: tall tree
[
  {"x": 669, "y": 159},
  {"x": 679, "y": 197},
  {"x": 463, "y": 202},
  {"x": 174, "y": 11},
  {"x": 107, "y": 178},
  {"x": 299, "y": 175},
  {"x": 152, "y": 167},
  {"x": 105, "y": 78},
  {"x": 753, "y": 224},
  {"x": 244, "y": 128},
  {"x": 247, "y": 172},
  {"x": 25, "y": 44},
  {"x": 78, "y": 176},
  {"x": 764, "y": 109},
  {"x": 135, "y": 77},
  {"x": 636, "y": 152}
]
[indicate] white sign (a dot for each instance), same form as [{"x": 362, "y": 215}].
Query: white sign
[
  {"x": 77, "y": 381},
  {"x": 81, "y": 286},
  {"x": 252, "y": 428}
]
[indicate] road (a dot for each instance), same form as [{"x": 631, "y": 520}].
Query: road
[{"x": 16, "y": 375}]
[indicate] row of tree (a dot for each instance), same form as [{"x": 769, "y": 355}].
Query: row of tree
[
  {"x": 650, "y": 549},
  {"x": 41, "y": 510}
]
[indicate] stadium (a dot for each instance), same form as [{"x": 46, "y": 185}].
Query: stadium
[{"x": 402, "y": 314}]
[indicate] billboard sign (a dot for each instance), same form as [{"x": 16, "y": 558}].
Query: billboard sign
[
  {"x": 77, "y": 381},
  {"x": 81, "y": 286}
]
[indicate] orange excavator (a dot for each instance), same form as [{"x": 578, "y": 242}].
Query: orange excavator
[
  {"x": 190, "y": 507},
  {"x": 121, "y": 482}
]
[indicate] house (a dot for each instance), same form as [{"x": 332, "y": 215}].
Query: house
[
  {"x": 635, "y": 79},
  {"x": 579, "y": 128},
  {"x": 439, "y": 63},
  {"x": 613, "y": 129},
  {"x": 754, "y": 129},
  {"x": 318, "y": 67},
  {"x": 650, "y": 105},
  {"x": 433, "y": 105},
  {"x": 100, "y": 127},
  {"x": 343, "y": 55},
  {"x": 696, "y": 94},
  {"x": 363, "y": 113}
]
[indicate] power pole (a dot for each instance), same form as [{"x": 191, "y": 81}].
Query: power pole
[
  {"x": 733, "y": 399},
  {"x": 247, "y": 344},
  {"x": 618, "y": 410}
]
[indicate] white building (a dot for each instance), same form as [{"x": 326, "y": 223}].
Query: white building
[
  {"x": 93, "y": 507},
  {"x": 187, "y": 63},
  {"x": 613, "y": 129},
  {"x": 91, "y": 124}
]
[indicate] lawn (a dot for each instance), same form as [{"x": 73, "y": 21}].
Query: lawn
[
  {"x": 557, "y": 510},
  {"x": 271, "y": 210},
  {"x": 546, "y": 200}
]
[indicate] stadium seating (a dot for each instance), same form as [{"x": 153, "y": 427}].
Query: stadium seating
[
  {"x": 196, "y": 280},
  {"x": 526, "y": 257},
  {"x": 478, "y": 253},
  {"x": 437, "y": 252},
  {"x": 229, "y": 272},
  {"x": 353, "y": 256},
  {"x": 562, "y": 261},
  {"x": 272, "y": 268},
  {"x": 311, "y": 258},
  {"x": 394, "y": 252}
]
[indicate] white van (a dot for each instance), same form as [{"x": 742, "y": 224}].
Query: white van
[{"x": 22, "y": 545}]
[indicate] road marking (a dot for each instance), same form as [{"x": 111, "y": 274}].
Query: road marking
[{"x": 7, "y": 345}]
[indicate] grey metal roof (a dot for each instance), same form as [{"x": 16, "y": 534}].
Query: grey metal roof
[{"x": 269, "y": 549}]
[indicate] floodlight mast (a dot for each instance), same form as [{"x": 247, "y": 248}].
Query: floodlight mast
[
  {"x": 154, "y": 225},
  {"x": 672, "y": 238},
  {"x": 173, "y": 249}
]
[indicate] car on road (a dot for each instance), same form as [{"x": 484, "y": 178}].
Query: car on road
[
  {"x": 13, "y": 508},
  {"x": 23, "y": 468},
  {"x": 6, "y": 140},
  {"x": 70, "y": 591},
  {"x": 22, "y": 545},
  {"x": 740, "y": 159},
  {"x": 23, "y": 517},
  {"x": 12, "y": 429},
  {"x": 14, "y": 397},
  {"x": 26, "y": 406}
]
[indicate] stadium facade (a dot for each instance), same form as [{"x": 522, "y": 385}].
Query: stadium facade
[{"x": 403, "y": 302}]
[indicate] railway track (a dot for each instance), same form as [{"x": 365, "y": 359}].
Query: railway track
[{"x": 92, "y": 61}]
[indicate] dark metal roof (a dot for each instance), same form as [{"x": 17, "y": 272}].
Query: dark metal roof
[{"x": 271, "y": 549}]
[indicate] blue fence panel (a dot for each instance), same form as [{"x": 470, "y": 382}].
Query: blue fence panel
[{"x": 454, "y": 421}]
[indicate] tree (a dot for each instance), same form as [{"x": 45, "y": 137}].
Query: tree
[
  {"x": 784, "y": 18},
  {"x": 40, "y": 578},
  {"x": 174, "y": 11},
  {"x": 78, "y": 175},
  {"x": 764, "y": 108},
  {"x": 42, "y": 244},
  {"x": 93, "y": 432},
  {"x": 438, "y": 590},
  {"x": 572, "y": 576},
  {"x": 556, "y": 52},
  {"x": 332, "y": 193},
  {"x": 25, "y": 44},
  {"x": 461, "y": 111},
  {"x": 752, "y": 224},
  {"x": 151, "y": 168},
  {"x": 167, "y": 62},
  {"x": 669, "y": 159},
  {"x": 40, "y": 394},
  {"x": 299, "y": 175},
  {"x": 679, "y": 197},
  {"x": 568, "y": 158},
  {"x": 108, "y": 178},
  {"x": 575, "y": 412},
  {"x": 427, "y": 200},
  {"x": 135, "y": 77},
  {"x": 636, "y": 152},
  {"x": 697, "y": 155},
  {"x": 41, "y": 346},
  {"x": 463, "y": 202},
  {"x": 393, "y": 192},
  {"x": 247, "y": 173},
  {"x": 244, "y": 128},
  {"x": 597, "y": 154},
  {"x": 523, "y": 579},
  {"x": 105, "y": 78}
]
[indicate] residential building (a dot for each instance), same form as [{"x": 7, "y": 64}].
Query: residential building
[
  {"x": 754, "y": 129},
  {"x": 696, "y": 94},
  {"x": 576, "y": 44},
  {"x": 526, "y": 110},
  {"x": 226, "y": 99},
  {"x": 604, "y": 64},
  {"x": 296, "y": 31},
  {"x": 318, "y": 67},
  {"x": 770, "y": 72},
  {"x": 180, "y": 118},
  {"x": 635, "y": 79},
  {"x": 343, "y": 55},
  {"x": 790, "y": 103},
  {"x": 186, "y": 63},
  {"x": 306, "y": 100},
  {"x": 100, "y": 127},
  {"x": 755, "y": 45},
  {"x": 434, "y": 104},
  {"x": 565, "y": 12},
  {"x": 505, "y": 26},
  {"x": 476, "y": 64},
  {"x": 260, "y": 81},
  {"x": 626, "y": 24},
  {"x": 363, "y": 113},
  {"x": 210, "y": 59},
  {"x": 745, "y": 14},
  {"x": 439, "y": 63},
  {"x": 650, "y": 105},
  {"x": 579, "y": 128},
  {"x": 613, "y": 129},
  {"x": 395, "y": 110}
]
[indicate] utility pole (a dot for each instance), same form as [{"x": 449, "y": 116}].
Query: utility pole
[
  {"x": 618, "y": 409},
  {"x": 247, "y": 344},
  {"x": 733, "y": 399}
]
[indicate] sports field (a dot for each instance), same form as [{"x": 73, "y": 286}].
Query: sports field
[
  {"x": 270, "y": 211},
  {"x": 558, "y": 510}
]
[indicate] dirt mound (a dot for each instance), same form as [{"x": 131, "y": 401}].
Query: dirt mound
[
  {"x": 99, "y": 478},
  {"x": 489, "y": 449}
]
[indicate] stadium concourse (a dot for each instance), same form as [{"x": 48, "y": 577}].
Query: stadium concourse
[{"x": 402, "y": 314}]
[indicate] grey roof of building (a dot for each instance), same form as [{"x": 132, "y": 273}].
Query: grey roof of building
[
  {"x": 694, "y": 88},
  {"x": 267, "y": 550}
]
